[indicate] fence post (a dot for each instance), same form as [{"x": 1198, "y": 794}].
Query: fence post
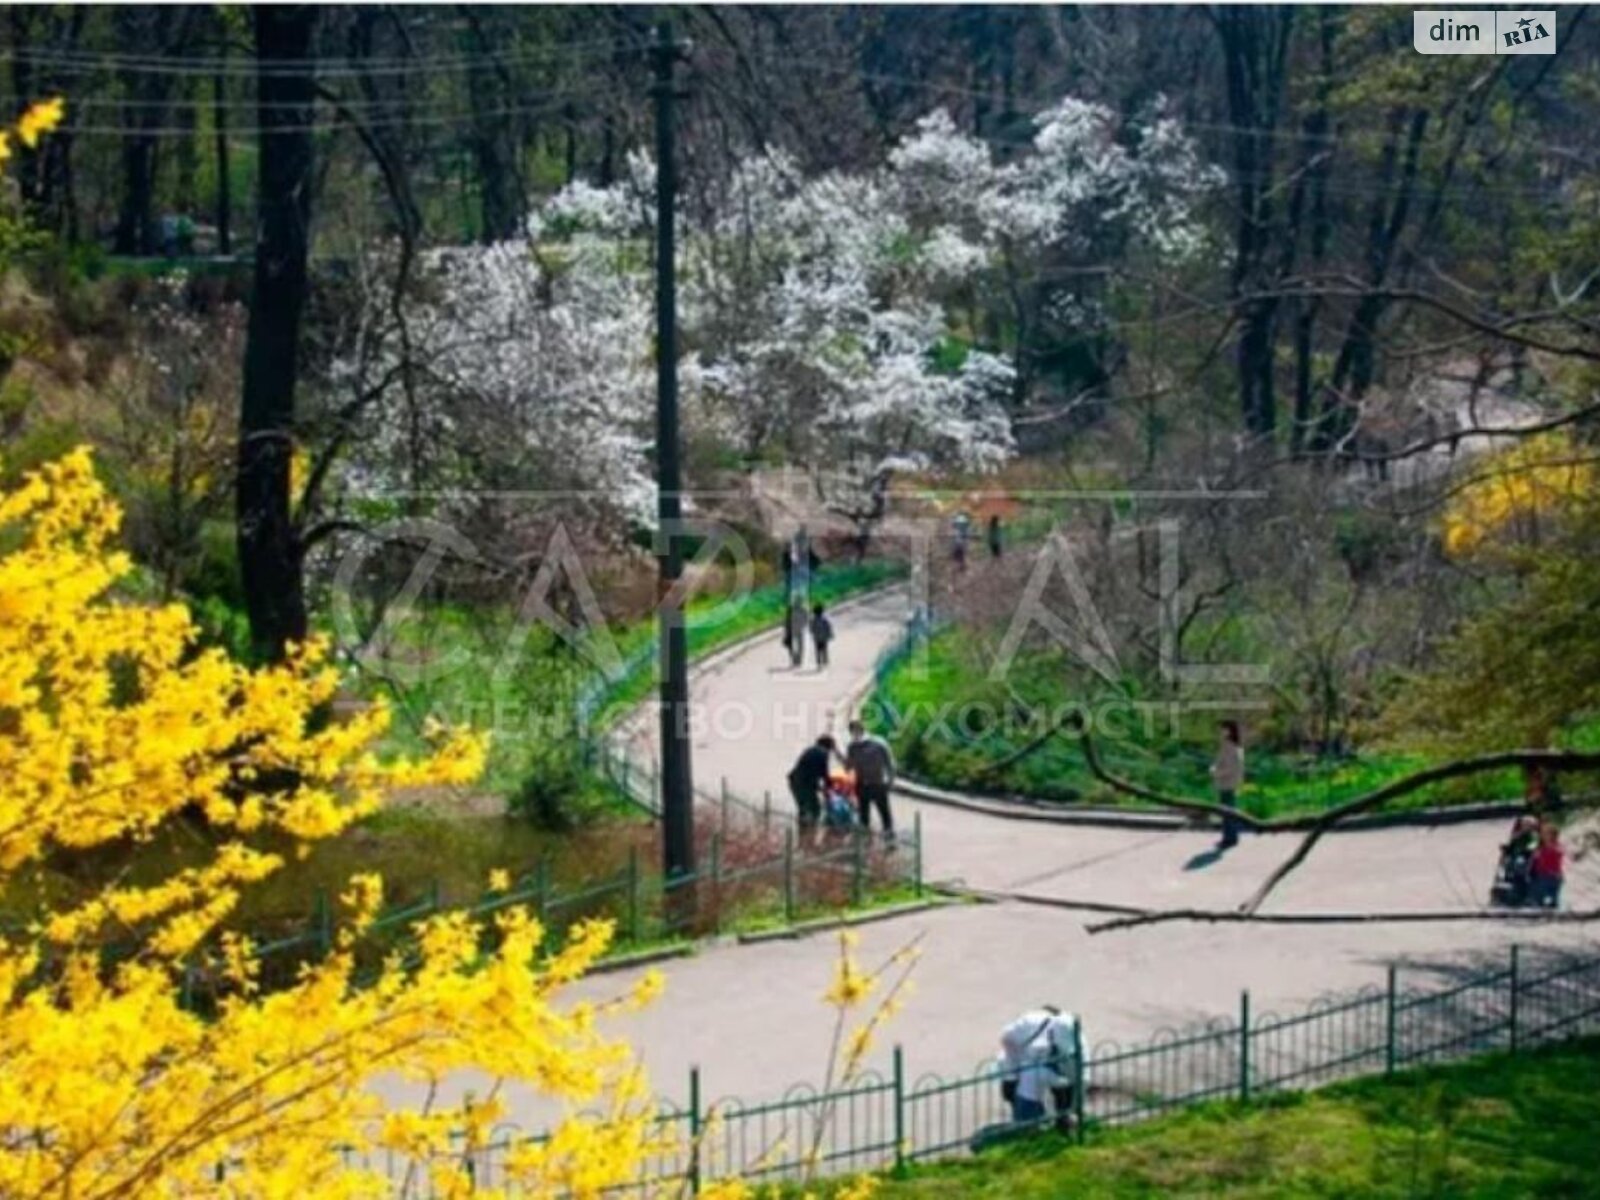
[
  {"x": 468, "y": 1159},
  {"x": 766, "y": 810},
  {"x": 633, "y": 894},
  {"x": 857, "y": 867},
  {"x": 1244, "y": 1046},
  {"x": 788, "y": 876},
  {"x": 716, "y": 882},
  {"x": 1391, "y": 1049},
  {"x": 899, "y": 1111},
  {"x": 694, "y": 1130},
  {"x": 323, "y": 917},
  {"x": 541, "y": 891},
  {"x": 1515, "y": 955},
  {"x": 1079, "y": 1080},
  {"x": 916, "y": 855}
]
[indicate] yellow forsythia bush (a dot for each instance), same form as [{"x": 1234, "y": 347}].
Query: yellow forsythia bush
[{"x": 112, "y": 724}]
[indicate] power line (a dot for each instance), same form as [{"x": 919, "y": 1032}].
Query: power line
[
  {"x": 1039, "y": 104},
  {"x": 248, "y": 104},
  {"x": 332, "y": 125},
  {"x": 88, "y": 62}
]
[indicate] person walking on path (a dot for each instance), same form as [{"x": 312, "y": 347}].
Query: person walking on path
[
  {"x": 962, "y": 528},
  {"x": 995, "y": 536},
  {"x": 1547, "y": 869},
  {"x": 870, "y": 760},
  {"x": 1227, "y": 776},
  {"x": 807, "y": 778},
  {"x": 821, "y": 633},
  {"x": 795, "y": 632}
]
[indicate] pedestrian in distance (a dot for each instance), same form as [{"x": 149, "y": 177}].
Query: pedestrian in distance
[
  {"x": 962, "y": 532},
  {"x": 821, "y": 633},
  {"x": 1227, "y": 776},
  {"x": 1547, "y": 870},
  {"x": 996, "y": 538},
  {"x": 807, "y": 780},
  {"x": 795, "y": 632},
  {"x": 870, "y": 760}
]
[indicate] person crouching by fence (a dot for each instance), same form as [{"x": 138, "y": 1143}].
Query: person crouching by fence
[
  {"x": 807, "y": 780},
  {"x": 1038, "y": 1060}
]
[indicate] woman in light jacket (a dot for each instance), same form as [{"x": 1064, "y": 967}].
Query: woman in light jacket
[{"x": 1227, "y": 776}]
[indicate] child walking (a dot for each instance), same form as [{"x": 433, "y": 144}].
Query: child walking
[{"x": 821, "y": 634}]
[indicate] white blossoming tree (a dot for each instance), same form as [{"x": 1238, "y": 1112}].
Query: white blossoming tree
[{"x": 843, "y": 322}]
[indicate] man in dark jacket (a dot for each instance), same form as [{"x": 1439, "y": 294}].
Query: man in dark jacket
[
  {"x": 872, "y": 762},
  {"x": 807, "y": 778}
]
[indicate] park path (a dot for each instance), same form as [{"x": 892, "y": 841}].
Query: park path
[{"x": 751, "y": 1016}]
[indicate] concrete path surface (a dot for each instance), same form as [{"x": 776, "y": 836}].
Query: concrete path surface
[{"x": 752, "y": 1018}]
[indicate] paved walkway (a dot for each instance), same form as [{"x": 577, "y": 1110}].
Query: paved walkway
[{"x": 752, "y": 1019}]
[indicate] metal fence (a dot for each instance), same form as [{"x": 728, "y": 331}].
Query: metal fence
[
  {"x": 878, "y": 1121},
  {"x": 757, "y": 868}
]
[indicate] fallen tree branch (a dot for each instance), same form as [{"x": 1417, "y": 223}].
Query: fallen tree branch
[
  {"x": 1550, "y": 760},
  {"x": 1318, "y": 824}
]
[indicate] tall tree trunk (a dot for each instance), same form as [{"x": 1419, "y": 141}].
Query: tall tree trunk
[
  {"x": 136, "y": 232},
  {"x": 1255, "y": 44},
  {"x": 160, "y": 31},
  {"x": 219, "y": 121},
  {"x": 270, "y": 557},
  {"x": 1318, "y": 128},
  {"x": 1355, "y": 368},
  {"x": 490, "y": 91}
]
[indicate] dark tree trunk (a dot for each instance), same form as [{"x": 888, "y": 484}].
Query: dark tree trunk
[
  {"x": 44, "y": 179},
  {"x": 219, "y": 108},
  {"x": 490, "y": 92},
  {"x": 269, "y": 548},
  {"x": 1319, "y": 140},
  {"x": 187, "y": 151},
  {"x": 136, "y": 231},
  {"x": 1355, "y": 368},
  {"x": 1255, "y": 43},
  {"x": 161, "y": 31},
  {"x": 20, "y": 27},
  {"x": 569, "y": 118}
]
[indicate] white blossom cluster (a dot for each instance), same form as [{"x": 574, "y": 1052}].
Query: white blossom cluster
[{"x": 827, "y": 318}]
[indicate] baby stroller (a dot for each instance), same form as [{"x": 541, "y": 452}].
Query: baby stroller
[
  {"x": 1514, "y": 870},
  {"x": 839, "y": 806}
]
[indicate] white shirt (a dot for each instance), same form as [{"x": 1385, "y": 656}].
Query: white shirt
[{"x": 1036, "y": 1050}]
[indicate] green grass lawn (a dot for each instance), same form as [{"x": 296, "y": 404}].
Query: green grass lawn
[
  {"x": 1137, "y": 736},
  {"x": 1499, "y": 1127}
]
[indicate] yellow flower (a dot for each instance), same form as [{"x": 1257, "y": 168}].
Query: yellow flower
[
  {"x": 850, "y": 984},
  {"x": 123, "y": 1087},
  {"x": 499, "y": 880},
  {"x": 40, "y": 119}
]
